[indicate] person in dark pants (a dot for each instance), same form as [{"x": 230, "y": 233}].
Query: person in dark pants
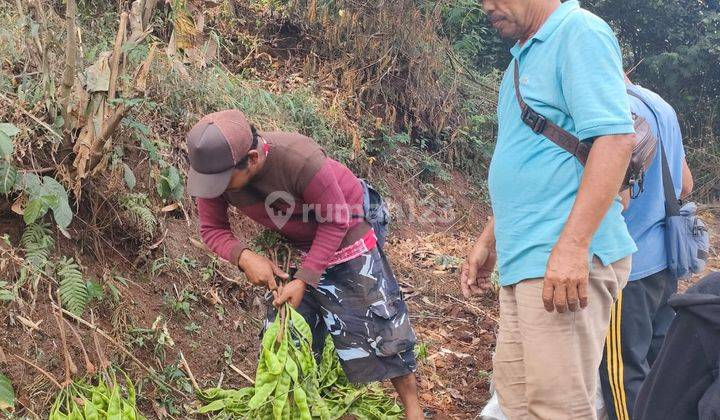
[
  {"x": 683, "y": 382},
  {"x": 344, "y": 285},
  {"x": 640, "y": 316}
]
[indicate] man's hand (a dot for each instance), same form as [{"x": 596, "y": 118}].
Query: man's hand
[
  {"x": 259, "y": 270},
  {"x": 566, "y": 278},
  {"x": 292, "y": 292},
  {"x": 477, "y": 269}
]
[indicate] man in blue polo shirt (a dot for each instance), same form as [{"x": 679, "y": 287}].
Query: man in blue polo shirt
[
  {"x": 557, "y": 234},
  {"x": 641, "y": 317}
]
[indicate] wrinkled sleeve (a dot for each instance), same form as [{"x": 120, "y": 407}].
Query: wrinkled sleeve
[
  {"x": 593, "y": 84},
  {"x": 325, "y": 194},
  {"x": 215, "y": 229}
]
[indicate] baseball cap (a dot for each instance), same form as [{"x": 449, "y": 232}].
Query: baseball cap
[{"x": 215, "y": 144}]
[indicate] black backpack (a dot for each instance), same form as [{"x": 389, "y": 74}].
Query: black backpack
[{"x": 376, "y": 212}]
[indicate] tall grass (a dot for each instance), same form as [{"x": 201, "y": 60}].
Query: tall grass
[{"x": 214, "y": 89}]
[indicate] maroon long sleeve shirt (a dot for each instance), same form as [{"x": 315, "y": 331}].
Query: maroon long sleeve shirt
[{"x": 310, "y": 199}]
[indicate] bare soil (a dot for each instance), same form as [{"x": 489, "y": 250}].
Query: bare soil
[{"x": 458, "y": 335}]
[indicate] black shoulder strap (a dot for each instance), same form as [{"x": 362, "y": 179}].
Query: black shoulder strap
[
  {"x": 672, "y": 207},
  {"x": 541, "y": 125}
]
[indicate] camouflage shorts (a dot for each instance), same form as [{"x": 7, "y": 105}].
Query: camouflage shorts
[{"x": 359, "y": 303}]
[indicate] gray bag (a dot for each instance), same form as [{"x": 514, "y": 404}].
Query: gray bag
[{"x": 686, "y": 237}]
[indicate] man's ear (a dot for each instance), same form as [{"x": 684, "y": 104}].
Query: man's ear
[{"x": 253, "y": 157}]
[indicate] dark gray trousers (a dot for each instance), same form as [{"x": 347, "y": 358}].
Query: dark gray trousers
[{"x": 638, "y": 324}]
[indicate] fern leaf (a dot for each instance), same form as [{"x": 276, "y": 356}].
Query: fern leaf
[
  {"x": 37, "y": 243},
  {"x": 138, "y": 207},
  {"x": 73, "y": 290}
]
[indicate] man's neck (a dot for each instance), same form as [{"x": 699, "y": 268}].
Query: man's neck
[{"x": 537, "y": 19}]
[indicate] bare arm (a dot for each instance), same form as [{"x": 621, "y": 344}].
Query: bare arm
[
  {"x": 687, "y": 180},
  {"x": 566, "y": 278},
  {"x": 487, "y": 237},
  {"x": 604, "y": 172},
  {"x": 477, "y": 269}
]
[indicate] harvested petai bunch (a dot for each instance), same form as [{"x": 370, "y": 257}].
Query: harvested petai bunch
[
  {"x": 285, "y": 380},
  {"x": 289, "y": 384},
  {"x": 343, "y": 398},
  {"x": 104, "y": 400}
]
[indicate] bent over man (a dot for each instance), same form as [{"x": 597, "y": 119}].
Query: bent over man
[
  {"x": 345, "y": 285},
  {"x": 557, "y": 233}
]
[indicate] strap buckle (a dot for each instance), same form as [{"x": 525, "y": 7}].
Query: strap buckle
[{"x": 535, "y": 121}]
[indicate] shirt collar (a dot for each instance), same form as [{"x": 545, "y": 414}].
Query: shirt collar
[{"x": 550, "y": 25}]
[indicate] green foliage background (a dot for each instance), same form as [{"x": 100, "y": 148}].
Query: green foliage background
[
  {"x": 676, "y": 47},
  {"x": 670, "y": 47}
]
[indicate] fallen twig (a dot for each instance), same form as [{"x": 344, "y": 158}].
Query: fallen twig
[
  {"x": 189, "y": 372},
  {"x": 89, "y": 367},
  {"x": 39, "y": 369},
  {"x": 444, "y": 318},
  {"x": 70, "y": 368},
  {"x": 31, "y": 116},
  {"x": 241, "y": 373},
  {"x": 476, "y": 309},
  {"x": 30, "y": 324},
  {"x": 120, "y": 347},
  {"x": 104, "y": 364}
]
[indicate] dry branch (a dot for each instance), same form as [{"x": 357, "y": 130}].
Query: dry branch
[
  {"x": 104, "y": 364},
  {"x": 89, "y": 367},
  {"x": 147, "y": 13},
  {"x": 189, "y": 372},
  {"x": 241, "y": 373},
  {"x": 70, "y": 368},
  {"x": 115, "y": 65},
  {"x": 39, "y": 369},
  {"x": 119, "y": 346},
  {"x": 71, "y": 48},
  {"x": 21, "y": 11},
  {"x": 111, "y": 123},
  {"x": 41, "y": 43},
  {"x": 31, "y": 116}
]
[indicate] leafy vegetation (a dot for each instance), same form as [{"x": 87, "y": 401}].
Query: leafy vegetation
[
  {"x": 181, "y": 303},
  {"x": 8, "y": 173},
  {"x": 46, "y": 194},
  {"x": 138, "y": 207},
  {"x": 289, "y": 384},
  {"x": 170, "y": 185},
  {"x": 7, "y": 395},
  {"x": 675, "y": 47},
  {"x": 37, "y": 241},
  {"x": 101, "y": 398},
  {"x": 465, "y": 25},
  {"x": 73, "y": 289}
]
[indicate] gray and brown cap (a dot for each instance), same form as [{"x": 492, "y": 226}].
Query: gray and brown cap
[{"x": 215, "y": 144}]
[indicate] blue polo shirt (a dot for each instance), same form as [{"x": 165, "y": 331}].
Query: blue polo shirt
[
  {"x": 571, "y": 72},
  {"x": 645, "y": 215}
]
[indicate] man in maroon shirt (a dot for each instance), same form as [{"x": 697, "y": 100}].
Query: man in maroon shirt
[{"x": 344, "y": 286}]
